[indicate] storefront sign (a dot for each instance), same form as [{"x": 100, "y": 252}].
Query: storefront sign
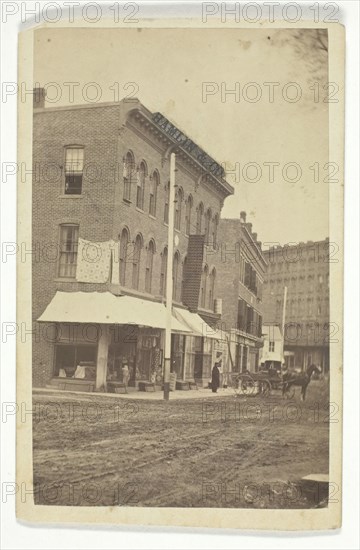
[{"x": 189, "y": 146}]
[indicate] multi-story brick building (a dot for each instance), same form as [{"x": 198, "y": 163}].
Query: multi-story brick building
[
  {"x": 304, "y": 270},
  {"x": 100, "y": 224},
  {"x": 240, "y": 268}
]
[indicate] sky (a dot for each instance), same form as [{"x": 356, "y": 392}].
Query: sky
[{"x": 274, "y": 148}]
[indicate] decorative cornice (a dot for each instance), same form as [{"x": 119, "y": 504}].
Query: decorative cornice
[{"x": 143, "y": 124}]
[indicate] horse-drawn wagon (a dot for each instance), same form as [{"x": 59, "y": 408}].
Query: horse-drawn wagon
[{"x": 264, "y": 382}]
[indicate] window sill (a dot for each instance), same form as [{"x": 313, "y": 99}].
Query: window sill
[
  {"x": 65, "y": 280},
  {"x": 139, "y": 209},
  {"x": 71, "y": 196},
  {"x": 127, "y": 201},
  {"x": 152, "y": 217}
]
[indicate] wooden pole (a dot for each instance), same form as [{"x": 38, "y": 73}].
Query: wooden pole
[
  {"x": 283, "y": 322},
  {"x": 169, "y": 280}
]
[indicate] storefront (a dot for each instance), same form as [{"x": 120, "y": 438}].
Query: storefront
[
  {"x": 202, "y": 349},
  {"x": 97, "y": 333},
  {"x": 244, "y": 350}
]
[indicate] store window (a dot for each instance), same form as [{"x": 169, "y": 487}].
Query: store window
[{"x": 75, "y": 361}]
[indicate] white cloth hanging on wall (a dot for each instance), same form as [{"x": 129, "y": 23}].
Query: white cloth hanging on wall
[{"x": 94, "y": 261}]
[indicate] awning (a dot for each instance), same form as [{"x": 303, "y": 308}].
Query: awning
[
  {"x": 197, "y": 325},
  {"x": 105, "y": 308}
]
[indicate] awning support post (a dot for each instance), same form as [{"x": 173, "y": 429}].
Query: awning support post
[
  {"x": 102, "y": 358},
  {"x": 169, "y": 280}
]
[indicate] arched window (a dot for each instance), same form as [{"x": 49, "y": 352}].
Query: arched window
[
  {"x": 204, "y": 277},
  {"x": 124, "y": 242},
  {"x": 178, "y": 202},
  {"x": 199, "y": 219},
  {"x": 154, "y": 182},
  {"x": 163, "y": 271},
  {"x": 128, "y": 174},
  {"x": 166, "y": 203},
  {"x": 183, "y": 278},
  {"x": 176, "y": 264},
  {"x": 211, "y": 289},
  {"x": 136, "y": 261},
  {"x": 207, "y": 225},
  {"x": 140, "y": 189},
  {"x": 215, "y": 229},
  {"x": 188, "y": 211},
  {"x": 149, "y": 265}
]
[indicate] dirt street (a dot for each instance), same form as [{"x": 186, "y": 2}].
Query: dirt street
[{"x": 229, "y": 452}]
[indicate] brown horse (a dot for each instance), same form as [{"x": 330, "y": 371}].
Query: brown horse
[{"x": 302, "y": 380}]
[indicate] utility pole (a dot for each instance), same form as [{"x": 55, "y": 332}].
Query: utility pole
[
  {"x": 283, "y": 322},
  {"x": 169, "y": 280}
]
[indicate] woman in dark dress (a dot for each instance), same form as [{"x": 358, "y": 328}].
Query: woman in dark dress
[{"x": 215, "y": 378}]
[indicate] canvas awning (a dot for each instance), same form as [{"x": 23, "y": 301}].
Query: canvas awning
[
  {"x": 197, "y": 325},
  {"x": 105, "y": 308}
]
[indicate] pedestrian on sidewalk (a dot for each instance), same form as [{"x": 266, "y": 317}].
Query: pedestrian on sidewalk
[
  {"x": 215, "y": 378},
  {"x": 125, "y": 373}
]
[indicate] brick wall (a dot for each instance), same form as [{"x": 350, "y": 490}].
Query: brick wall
[
  {"x": 100, "y": 210},
  {"x": 226, "y": 257}
]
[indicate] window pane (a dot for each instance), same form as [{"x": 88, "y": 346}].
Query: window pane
[
  {"x": 69, "y": 235},
  {"x": 74, "y": 165}
]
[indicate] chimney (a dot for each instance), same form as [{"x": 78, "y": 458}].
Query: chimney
[
  {"x": 249, "y": 227},
  {"x": 254, "y": 236},
  {"x": 39, "y": 98},
  {"x": 243, "y": 216}
]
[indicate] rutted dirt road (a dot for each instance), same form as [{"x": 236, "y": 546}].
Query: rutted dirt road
[{"x": 229, "y": 452}]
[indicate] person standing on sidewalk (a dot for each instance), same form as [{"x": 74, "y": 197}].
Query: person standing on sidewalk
[
  {"x": 125, "y": 373},
  {"x": 215, "y": 378}
]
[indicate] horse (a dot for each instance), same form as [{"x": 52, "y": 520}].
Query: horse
[{"x": 302, "y": 380}]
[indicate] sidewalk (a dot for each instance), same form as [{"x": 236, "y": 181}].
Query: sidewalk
[{"x": 177, "y": 395}]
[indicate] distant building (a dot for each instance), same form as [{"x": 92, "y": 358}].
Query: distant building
[
  {"x": 240, "y": 269},
  {"x": 272, "y": 353},
  {"x": 304, "y": 270}
]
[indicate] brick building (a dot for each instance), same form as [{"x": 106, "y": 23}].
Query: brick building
[
  {"x": 304, "y": 270},
  {"x": 100, "y": 224},
  {"x": 240, "y": 267}
]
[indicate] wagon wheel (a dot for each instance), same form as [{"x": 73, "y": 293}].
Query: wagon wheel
[
  {"x": 247, "y": 384},
  {"x": 289, "y": 392},
  {"x": 266, "y": 387}
]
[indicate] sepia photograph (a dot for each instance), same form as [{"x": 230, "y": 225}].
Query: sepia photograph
[{"x": 185, "y": 281}]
